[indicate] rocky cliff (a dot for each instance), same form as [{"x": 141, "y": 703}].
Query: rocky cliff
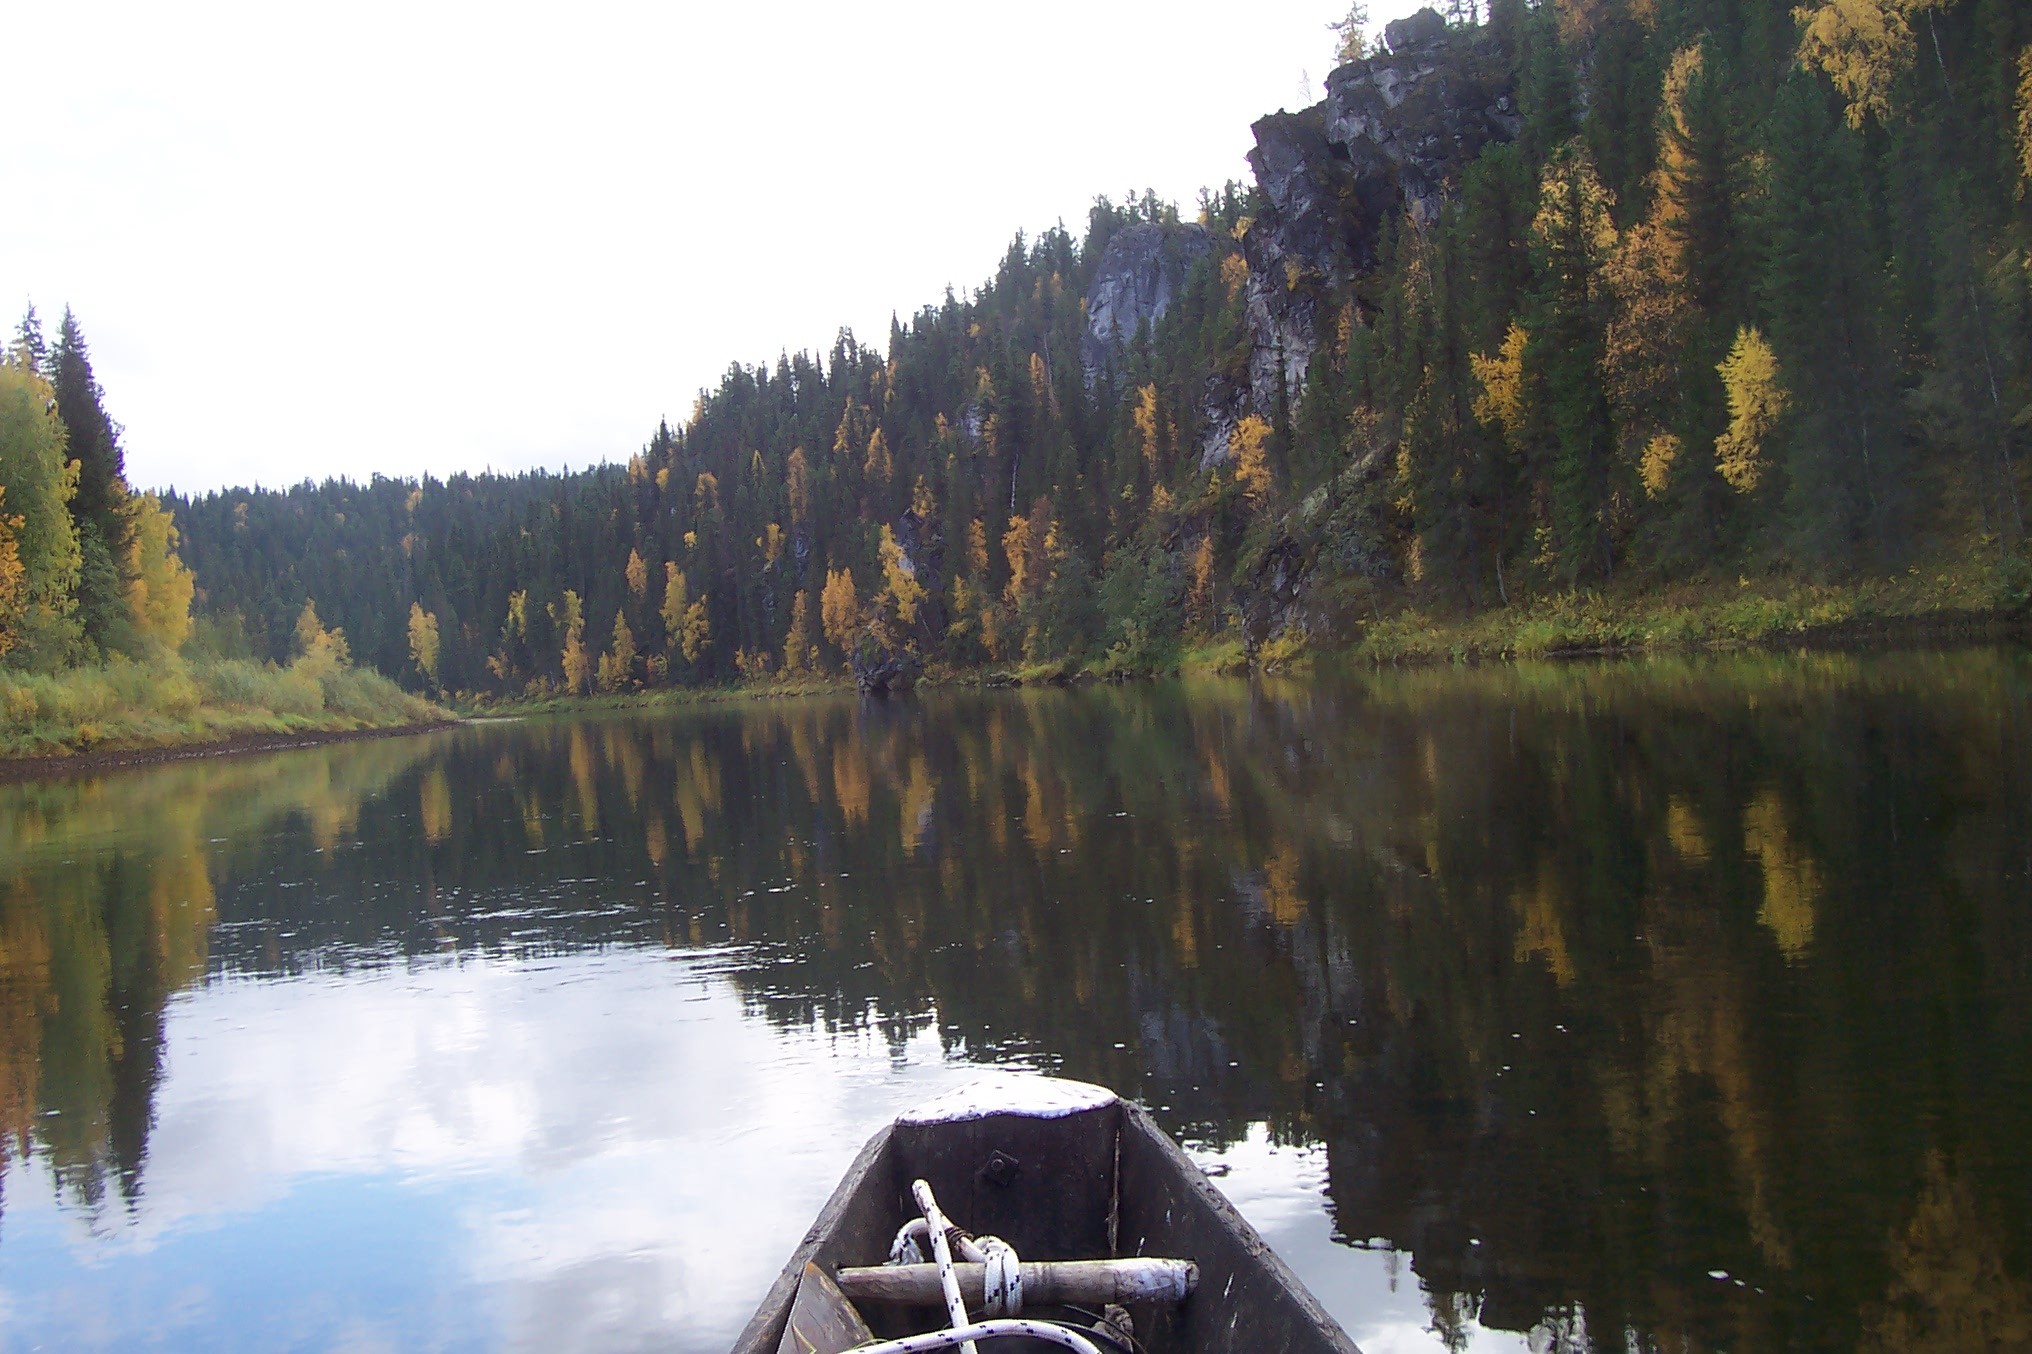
[
  {"x": 1140, "y": 272},
  {"x": 1393, "y": 134}
]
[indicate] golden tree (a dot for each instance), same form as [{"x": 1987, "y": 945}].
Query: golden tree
[
  {"x": 799, "y": 652},
  {"x": 676, "y": 597},
  {"x": 638, "y": 576},
  {"x": 423, "y": 641},
  {"x": 696, "y": 635},
  {"x": 159, "y": 587},
  {"x": 839, "y": 609},
  {"x": 1249, "y": 445},
  {"x": 2025, "y": 113},
  {"x": 797, "y": 484},
  {"x": 1864, "y": 46},
  {"x": 1501, "y": 403},
  {"x": 901, "y": 592},
  {"x": 1756, "y": 400},
  {"x": 570, "y": 617},
  {"x": 1150, "y": 428},
  {"x": 880, "y": 465},
  {"x": 308, "y": 628},
  {"x": 617, "y": 665},
  {"x": 13, "y": 589}
]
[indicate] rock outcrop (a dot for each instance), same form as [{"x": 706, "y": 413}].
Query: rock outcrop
[
  {"x": 1393, "y": 134},
  {"x": 1141, "y": 272}
]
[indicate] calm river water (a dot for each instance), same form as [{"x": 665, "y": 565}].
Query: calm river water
[{"x": 1682, "y": 1005}]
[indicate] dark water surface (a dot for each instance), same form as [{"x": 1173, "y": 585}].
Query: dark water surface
[{"x": 1678, "y": 1005}]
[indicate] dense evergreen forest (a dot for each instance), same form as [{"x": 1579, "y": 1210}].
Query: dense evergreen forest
[{"x": 1545, "y": 297}]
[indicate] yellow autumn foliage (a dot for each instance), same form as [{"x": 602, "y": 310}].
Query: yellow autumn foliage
[
  {"x": 1863, "y": 46},
  {"x": 900, "y": 588},
  {"x": 1757, "y": 399},
  {"x": 423, "y": 641},
  {"x": 13, "y": 592},
  {"x": 159, "y": 587},
  {"x": 1249, "y": 445},
  {"x": 839, "y": 609},
  {"x": 1501, "y": 403},
  {"x": 2025, "y": 113},
  {"x": 1655, "y": 467}
]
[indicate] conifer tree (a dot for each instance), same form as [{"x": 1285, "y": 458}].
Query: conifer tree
[{"x": 99, "y": 506}]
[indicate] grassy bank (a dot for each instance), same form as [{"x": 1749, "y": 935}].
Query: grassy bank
[
  {"x": 171, "y": 703},
  {"x": 766, "y": 688},
  {"x": 1918, "y": 606}
]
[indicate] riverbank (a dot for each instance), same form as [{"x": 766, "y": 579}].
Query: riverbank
[
  {"x": 1909, "y": 612},
  {"x": 128, "y": 713},
  {"x": 1915, "y": 608}
]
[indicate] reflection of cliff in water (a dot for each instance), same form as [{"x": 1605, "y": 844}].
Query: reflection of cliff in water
[{"x": 1594, "y": 981}]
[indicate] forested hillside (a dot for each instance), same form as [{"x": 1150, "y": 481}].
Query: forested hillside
[{"x": 1576, "y": 295}]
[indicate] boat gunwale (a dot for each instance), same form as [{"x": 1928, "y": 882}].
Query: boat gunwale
[{"x": 765, "y": 1329}]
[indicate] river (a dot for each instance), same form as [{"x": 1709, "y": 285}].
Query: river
[{"x": 1675, "y": 1004}]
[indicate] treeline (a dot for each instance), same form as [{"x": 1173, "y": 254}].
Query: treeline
[
  {"x": 968, "y": 497},
  {"x": 95, "y": 603},
  {"x": 1745, "y": 293},
  {"x": 88, "y": 567}
]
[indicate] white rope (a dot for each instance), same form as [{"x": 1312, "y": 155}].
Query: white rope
[
  {"x": 1004, "y": 1279},
  {"x": 947, "y": 1280},
  {"x": 913, "y": 1242},
  {"x": 908, "y": 1247},
  {"x": 962, "y": 1337}
]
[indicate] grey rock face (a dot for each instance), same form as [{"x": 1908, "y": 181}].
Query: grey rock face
[
  {"x": 1140, "y": 274},
  {"x": 1221, "y": 408},
  {"x": 1422, "y": 113},
  {"x": 1318, "y": 232},
  {"x": 1426, "y": 28},
  {"x": 1393, "y": 134}
]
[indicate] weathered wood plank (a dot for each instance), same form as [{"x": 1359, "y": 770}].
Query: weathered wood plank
[
  {"x": 1088, "y": 1283},
  {"x": 1043, "y": 1185},
  {"x": 822, "y": 1320},
  {"x": 1248, "y": 1299}
]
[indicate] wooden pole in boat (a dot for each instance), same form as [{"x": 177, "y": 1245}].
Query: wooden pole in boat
[{"x": 1087, "y": 1283}]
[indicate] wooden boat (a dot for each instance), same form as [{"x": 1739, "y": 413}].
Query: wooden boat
[{"x": 1068, "y": 1175}]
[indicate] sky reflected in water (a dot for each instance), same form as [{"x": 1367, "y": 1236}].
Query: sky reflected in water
[{"x": 1549, "y": 1008}]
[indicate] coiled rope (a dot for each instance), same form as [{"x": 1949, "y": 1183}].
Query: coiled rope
[{"x": 1002, "y": 1298}]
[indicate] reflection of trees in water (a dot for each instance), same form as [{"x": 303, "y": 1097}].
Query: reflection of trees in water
[
  {"x": 1624, "y": 973},
  {"x": 107, "y": 903}
]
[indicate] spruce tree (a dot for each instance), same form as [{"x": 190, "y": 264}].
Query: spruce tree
[{"x": 100, "y": 505}]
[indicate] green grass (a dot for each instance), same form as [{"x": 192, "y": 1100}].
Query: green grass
[
  {"x": 1938, "y": 600},
  {"x": 767, "y": 688},
  {"x": 171, "y": 702}
]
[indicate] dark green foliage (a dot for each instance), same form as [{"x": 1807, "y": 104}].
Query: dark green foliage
[
  {"x": 1823, "y": 298},
  {"x": 1633, "y": 240}
]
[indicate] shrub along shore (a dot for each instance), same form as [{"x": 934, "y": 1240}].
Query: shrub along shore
[{"x": 174, "y": 703}]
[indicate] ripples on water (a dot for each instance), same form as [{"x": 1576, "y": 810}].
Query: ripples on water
[{"x": 1687, "y": 1005}]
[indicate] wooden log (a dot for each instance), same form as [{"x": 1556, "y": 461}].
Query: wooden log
[{"x": 1087, "y": 1283}]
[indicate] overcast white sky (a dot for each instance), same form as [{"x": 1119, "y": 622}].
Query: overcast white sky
[{"x": 318, "y": 240}]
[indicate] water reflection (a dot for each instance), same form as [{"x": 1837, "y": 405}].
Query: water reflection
[{"x": 1688, "y": 1004}]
